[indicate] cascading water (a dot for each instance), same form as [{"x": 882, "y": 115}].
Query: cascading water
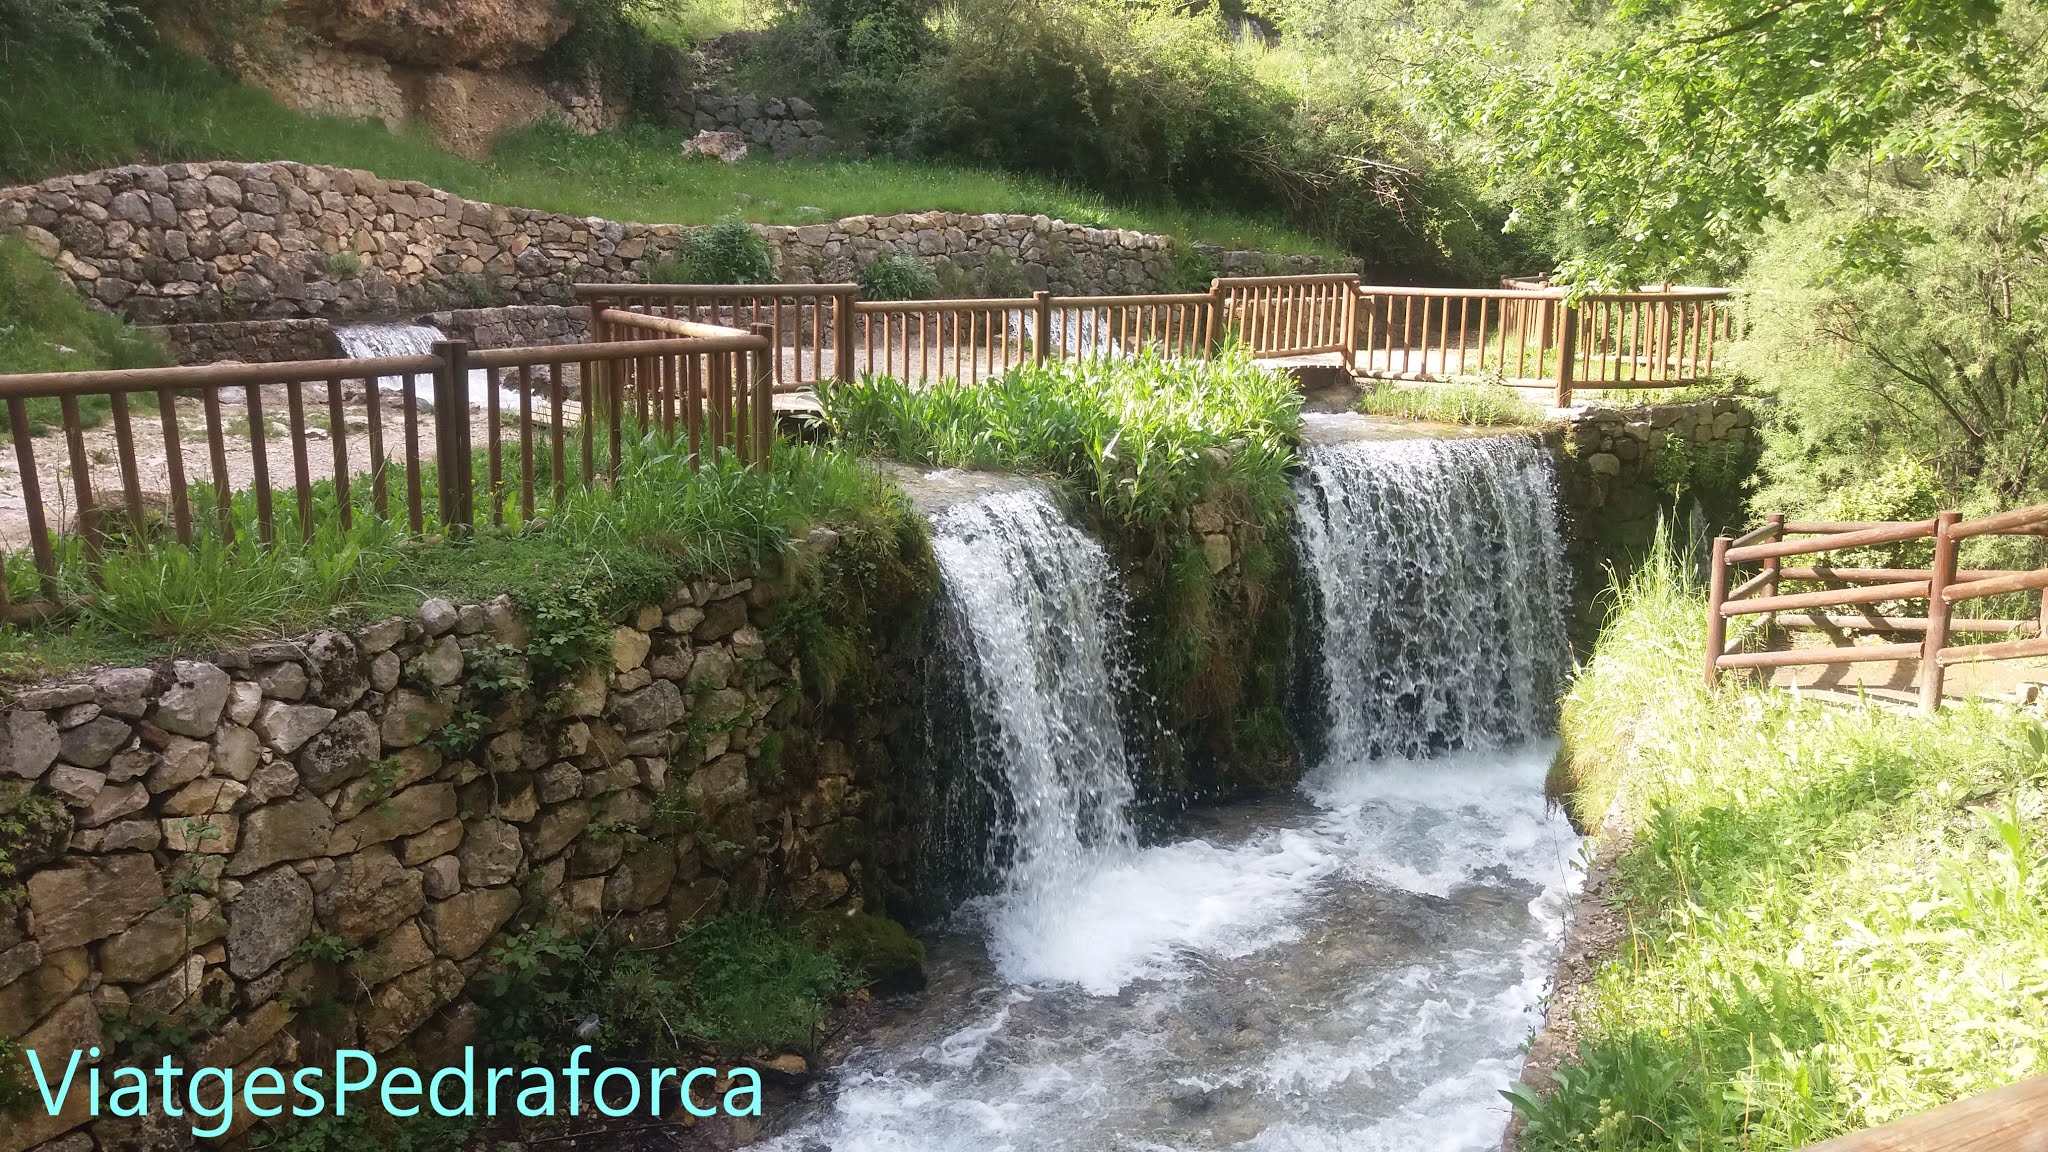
[
  {"x": 368, "y": 341},
  {"x": 1354, "y": 967},
  {"x": 1032, "y": 619},
  {"x": 1438, "y": 576}
]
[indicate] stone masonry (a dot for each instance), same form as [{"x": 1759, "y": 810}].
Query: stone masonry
[
  {"x": 383, "y": 789},
  {"x": 182, "y": 243},
  {"x": 788, "y": 127}
]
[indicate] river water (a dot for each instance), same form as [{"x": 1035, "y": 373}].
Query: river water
[{"x": 1356, "y": 965}]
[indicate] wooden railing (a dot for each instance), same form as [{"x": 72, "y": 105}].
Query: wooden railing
[
  {"x": 1867, "y": 592},
  {"x": 1291, "y": 315},
  {"x": 810, "y": 324},
  {"x": 204, "y": 451},
  {"x": 1527, "y": 336},
  {"x": 1530, "y": 337}
]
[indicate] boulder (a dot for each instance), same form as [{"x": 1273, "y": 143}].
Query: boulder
[{"x": 487, "y": 34}]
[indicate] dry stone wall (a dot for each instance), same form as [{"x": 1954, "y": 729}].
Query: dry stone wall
[
  {"x": 788, "y": 127},
  {"x": 1619, "y": 469},
  {"x": 182, "y": 243},
  {"x": 196, "y": 823}
]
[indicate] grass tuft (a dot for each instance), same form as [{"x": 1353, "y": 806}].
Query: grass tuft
[{"x": 1452, "y": 402}]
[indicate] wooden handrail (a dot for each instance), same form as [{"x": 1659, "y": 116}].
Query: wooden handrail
[
  {"x": 1942, "y": 586},
  {"x": 32, "y": 385},
  {"x": 670, "y": 324},
  {"x": 2011, "y": 1119},
  {"x": 711, "y": 291},
  {"x": 1859, "y": 539}
]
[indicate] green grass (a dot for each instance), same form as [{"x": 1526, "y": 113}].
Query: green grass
[
  {"x": 1837, "y": 916},
  {"x": 572, "y": 569},
  {"x": 1452, "y": 402},
  {"x": 1144, "y": 439},
  {"x": 169, "y": 107}
]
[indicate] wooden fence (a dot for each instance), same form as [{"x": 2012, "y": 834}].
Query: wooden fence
[
  {"x": 200, "y": 450},
  {"x": 1526, "y": 336},
  {"x": 2009, "y": 1119},
  {"x": 1867, "y": 592}
]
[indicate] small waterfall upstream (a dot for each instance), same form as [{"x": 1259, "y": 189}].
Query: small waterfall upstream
[
  {"x": 369, "y": 341},
  {"x": 1439, "y": 583},
  {"x": 1355, "y": 966}
]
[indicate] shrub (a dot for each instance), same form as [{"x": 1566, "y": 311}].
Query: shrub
[
  {"x": 898, "y": 277},
  {"x": 727, "y": 252}
]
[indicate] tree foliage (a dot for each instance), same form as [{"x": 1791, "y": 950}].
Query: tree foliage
[{"x": 1671, "y": 137}]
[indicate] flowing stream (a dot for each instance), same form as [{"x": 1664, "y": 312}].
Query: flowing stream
[
  {"x": 1355, "y": 966},
  {"x": 368, "y": 341}
]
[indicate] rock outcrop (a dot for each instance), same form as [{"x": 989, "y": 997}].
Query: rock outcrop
[{"x": 481, "y": 33}]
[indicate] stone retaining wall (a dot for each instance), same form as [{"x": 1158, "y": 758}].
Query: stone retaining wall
[
  {"x": 250, "y": 341},
  {"x": 1617, "y": 473},
  {"x": 196, "y": 823},
  {"x": 180, "y": 243},
  {"x": 788, "y": 127}
]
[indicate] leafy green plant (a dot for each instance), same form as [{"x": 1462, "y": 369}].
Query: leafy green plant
[
  {"x": 33, "y": 829},
  {"x": 726, "y": 252},
  {"x": 894, "y": 276}
]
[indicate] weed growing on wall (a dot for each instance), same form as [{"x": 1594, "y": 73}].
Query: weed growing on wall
[
  {"x": 727, "y": 252},
  {"x": 894, "y": 276},
  {"x": 1827, "y": 904}
]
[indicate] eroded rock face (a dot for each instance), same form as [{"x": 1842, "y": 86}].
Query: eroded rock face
[{"x": 487, "y": 33}]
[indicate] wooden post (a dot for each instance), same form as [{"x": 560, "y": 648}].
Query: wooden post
[
  {"x": 451, "y": 433},
  {"x": 842, "y": 335},
  {"x": 1717, "y": 624},
  {"x": 1041, "y": 303},
  {"x": 1772, "y": 567},
  {"x": 1938, "y": 612},
  {"x": 1351, "y": 290},
  {"x": 762, "y": 370},
  {"x": 1213, "y": 315},
  {"x": 1567, "y": 350}
]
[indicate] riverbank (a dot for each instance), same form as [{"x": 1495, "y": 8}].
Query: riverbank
[{"x": 1832, "y": 916}]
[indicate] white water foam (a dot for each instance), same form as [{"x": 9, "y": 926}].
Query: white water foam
[
  {"x": 369, "y": 341},
  {"x": 1245, "y": 977}
]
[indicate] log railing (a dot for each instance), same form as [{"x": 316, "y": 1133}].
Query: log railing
[
  {"x": 1872, "y": 595},
  {"x": 811, "y": 324},
  {"x": 1541, "y": 337},
  {"x": 1526, "y": 335},
  {"x": 235, "y": 451}
]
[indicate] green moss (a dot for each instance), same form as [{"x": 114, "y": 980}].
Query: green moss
[{"x": 888, "y": 958}]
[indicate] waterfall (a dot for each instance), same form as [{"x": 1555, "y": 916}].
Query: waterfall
[
  {"x": 367, "y": 341},
  {"x": 1031, "y": 617},
  {"x": 1439, "y": 582}
]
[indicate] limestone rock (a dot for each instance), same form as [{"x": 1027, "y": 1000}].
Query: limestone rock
[
  {"x": 285, "y": 727},
  {"x": 93, "y": 744},
  {"x": 50, "y": 982},
  {"x": 371, "y": 894},
  {"x": 28, "y": 743},
  {"x": 192, "y": 705},
  {"x": 437, "y": 616},
  {"x": 486, "y": 33},
  {"x": 78, "y": 786},
  {"x": 659, "y": 705},
  {"x": 334, "y": 661},
  {"x": 465, "y": 923},
  {"x": 236, "y": 752},
  {"x": 341, "y": 752},
  {"x": 490, "y": 854},
  {"x": 270, "y": 917},
  {"x": 90, "y": 899},
  {"x": 410, "y": 717},
  {"x": 727, "y": 147},
  {"x": 414, "y": 810},
  {"x": 183, "y": 761},
  {"x": 403, "y": 1004},
  {"x": 293, "y": 830},
  {"x": 440, "y": 663},
  {"x": 152, "y": 944}
]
